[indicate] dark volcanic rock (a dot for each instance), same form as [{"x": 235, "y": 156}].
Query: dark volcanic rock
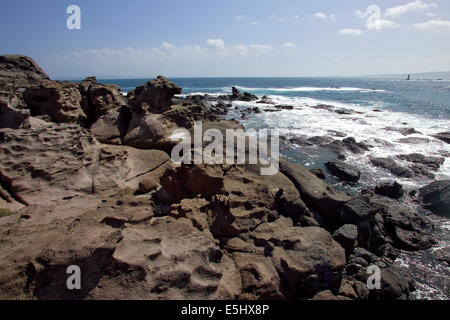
[
  {"x": 403, "y": 131},
  {"x": 237, "y": 95},
  {"x": 154, "y": 97},
  {"x": 414, "y": 140},
  {"x": 344, "y": 171},
  {"x": 391, "y": 190},
  {"x": 393, "y": 167},
  {"x": 318, "y": 173},
  {"x": 444, "y": 136},
  {"x": 436, "y": 197},
  {"x": 355, "y": 147},
  {"x": 431, "y": 163}
]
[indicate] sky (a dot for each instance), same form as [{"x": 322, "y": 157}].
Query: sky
[{"x": 216, "y": 38}]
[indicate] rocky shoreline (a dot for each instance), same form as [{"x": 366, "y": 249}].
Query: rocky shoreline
[{"x": 86, "y": 175}]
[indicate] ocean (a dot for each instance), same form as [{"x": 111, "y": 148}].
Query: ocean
[{"x": 379, "y": 104}]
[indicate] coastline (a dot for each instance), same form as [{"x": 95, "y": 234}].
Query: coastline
[{"x": 190, "y": 231}]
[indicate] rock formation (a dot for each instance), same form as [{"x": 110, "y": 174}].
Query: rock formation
[{"x": 87, "y": 176}]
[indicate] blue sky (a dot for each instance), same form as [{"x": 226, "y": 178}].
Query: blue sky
[{"x": 144, "y": 38}]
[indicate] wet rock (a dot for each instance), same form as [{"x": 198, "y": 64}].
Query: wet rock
[
  {"x": 431, "y": 163},
  {"x": 265, "y": 100},
  {"x": 414, "y": 140},
  {"x": 393, "y": 167},
  {"x": 443, "y": 136},
  {"x": 355, "y": 147},
  {"x": 403, "y": 131},
  {"x": 237, "y": 95},
  {"x": 318, "y": 173},
  {"x": 391, "y": 190},
  {"x": 436, "y": 197},
  {"x": 344, "y": 171},
  {"x": 407, "y": 229},
  {"x": 323, "y": 107}
]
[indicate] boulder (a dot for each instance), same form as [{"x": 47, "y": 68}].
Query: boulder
[
  {"x": 307, "y": 259},
  {"x": 403, "y": 131},
  {"x": 112, "y": 126},
  {"x": 436, "y": 197},
  {"x": 443, "y": 136},
  {"x": 237, "y": 95},
  {"x": 393, "y": 167},
  {"x": 150, "y": 131},
  {"x": 314, "y": 192},
  {"x": 396, "y": 284},
  {"x": 430, "y": 163},
  {"x": 358, "y": 210},
  {"x": 406, "y": 229},
  {"x": 99, "y": 99},
  {"x": 344, "y": 171},
  {"x": 391, "y": 190},
  {"x": 61, "y": 101},
  {"x": 153, "y": 97},
  {"x": 355, "y": 147},
  {"x": 346, "y": 236}
]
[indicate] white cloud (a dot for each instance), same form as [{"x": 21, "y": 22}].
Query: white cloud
[
  {"x": 240, "y": 17},
  {"x": 254, "y": 23},
  {"x": 217, "y": 44},
  {"x": 380, "y": 24},
  {"x": 324, "y": 16},
  {"x": 167, "y": 46},
  {"x": 259, "y": 48},
  {"x": 433, "y": 25},
  {"x": 296, "y": 17},
  {"x": 321, "y": 15},
  {"x": 400, "y": 10},
  {"x": 288, "y": 45},
  {"x": 351, "y": 32}
]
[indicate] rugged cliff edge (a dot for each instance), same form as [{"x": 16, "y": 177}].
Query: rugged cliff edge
[{"x": 86, "y": 173}]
